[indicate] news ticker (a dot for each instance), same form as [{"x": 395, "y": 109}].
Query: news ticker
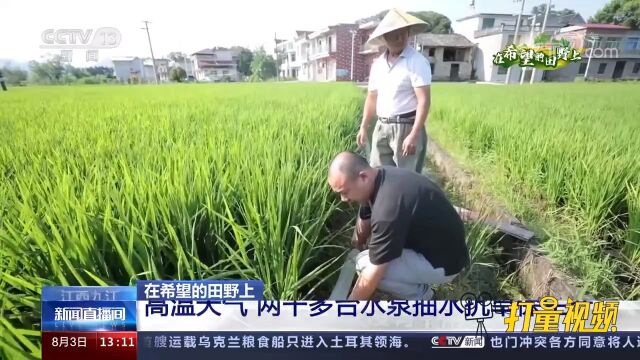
[{"x": 160, "y": 319}]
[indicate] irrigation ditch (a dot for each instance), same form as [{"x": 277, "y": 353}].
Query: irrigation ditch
[
  {"x": 506, "y": 260},
  {"x": 526, "y": 267}
]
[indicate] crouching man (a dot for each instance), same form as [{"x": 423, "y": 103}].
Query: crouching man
[{"x": 409, "y": 234}]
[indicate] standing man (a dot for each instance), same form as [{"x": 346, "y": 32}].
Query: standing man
[
  {"x": 413, "y": 238},
  {"x": 4, "y": 87},
  {"x": 399, "y": 94}
]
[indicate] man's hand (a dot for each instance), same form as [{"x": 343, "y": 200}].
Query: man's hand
[
  {"x": 361, "y": 234},
  {"x": 368, "y": 282},
  {"x": 361, "y": 138},
  {"x": 409, "y": 144}
]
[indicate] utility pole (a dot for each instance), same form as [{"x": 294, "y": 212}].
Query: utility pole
[
  {"x": 544, "y": 25},
  {"x": 275, "y": 50},
  {"x": 515, "y": 36},
  {"x": 153, "y": 58},
  {"x": 523, "y": 71},
  {"x": 353, "y": 39},
  {"x": 593, "y": 44}
]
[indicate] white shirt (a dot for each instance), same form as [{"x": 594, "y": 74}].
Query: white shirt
[{"x": 395, "y": 84}]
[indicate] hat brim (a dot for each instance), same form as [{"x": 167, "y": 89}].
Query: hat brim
[{"x": 377, "y": 39}]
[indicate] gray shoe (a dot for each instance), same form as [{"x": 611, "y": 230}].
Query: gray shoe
[{"x": 428, "y": 293}]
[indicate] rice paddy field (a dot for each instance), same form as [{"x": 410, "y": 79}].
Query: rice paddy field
[
  {"x": 103, "y": 185},
  {"x": 565, "y": 159}
]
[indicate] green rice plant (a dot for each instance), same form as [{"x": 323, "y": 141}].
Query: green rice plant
[
  {"x": 109, "y": 185},
  {"x": 632, "y": 246},
  {"x": 563, "y": 156}
]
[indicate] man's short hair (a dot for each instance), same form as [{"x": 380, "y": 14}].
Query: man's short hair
[{"x": 353, "y": 164}]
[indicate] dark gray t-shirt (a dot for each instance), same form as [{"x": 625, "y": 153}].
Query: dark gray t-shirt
[{"x": 411, "y": 211}]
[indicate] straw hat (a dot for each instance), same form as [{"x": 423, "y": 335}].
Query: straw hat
[{"x": 394, "y": 20}]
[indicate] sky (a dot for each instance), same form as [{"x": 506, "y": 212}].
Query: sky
[{"x": 191, "y": 25}]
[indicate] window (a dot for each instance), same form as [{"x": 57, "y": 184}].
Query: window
[
  {"x": 602, "y": 68},
  {"x": 432, "y": 51},
  {"x": 583, "y": 68},
  {"x": 293, "y": 57},
  {"x": 632, "y": 43},
  {"x": 433, "y": 68},
  {"x": 613, "y": 42},
  {"x": 588, "y": 43},
  {"x": 502, "y": 70},
  {"x": 225, "y": 72},
  {"x": 487, "y": 23},
  {"x": 214, "y": 72},
  {"x": 636, "y": 68},
  {"x": 453, "y": 54}
]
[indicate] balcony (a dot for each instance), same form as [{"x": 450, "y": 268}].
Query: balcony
[
  {"x": 319, "y": 53},
  {"x": 502, "y": 29}
]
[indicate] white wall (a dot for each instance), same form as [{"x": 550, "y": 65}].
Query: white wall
[
  {"x": 611, "y": 65},
  {"x": 467, "y": 27},
  {"x": 217, "y": 74},
  {"x": 487, "y": 47},
  {"x": 628, "y": 74},
  {"x": 123, "y": 69},
  {"x": 567, "y": 73}
]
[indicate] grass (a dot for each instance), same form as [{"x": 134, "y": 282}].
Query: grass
[
  {"x": 485, "y": 273},
  {"x": 108, "y": 185},
  {"x": 564, "y": 158}
]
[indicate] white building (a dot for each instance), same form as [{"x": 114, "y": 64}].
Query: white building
[
  {"x": 493, "y": 32},
  {"x": 129, "y": 69},
  {"x": 215, "y": 65},
  {"x": 293, "y": 56},
  {"x": 162, "y": 69},
  {"x": 135, "y": 70}
]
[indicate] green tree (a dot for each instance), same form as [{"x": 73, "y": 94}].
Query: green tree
[
  {"x": 244, "y": 62},
  {"x": 436, "y": 22},
  {"x": 177, "y": 56},
  {"x": 100, "y": 70},
  {"x": 177, "y": 74},
  {"x": 48, "y": 72},
  {"x": 263, "y": 66},
  {"x": 14, "y": 75},
  {"x": 619, "y": 12},
  {"x": 539, "y": 10},
  {"x": 75, "y": 72}
]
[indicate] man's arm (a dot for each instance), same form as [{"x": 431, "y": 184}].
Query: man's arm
[
  {"x": 421, "y": 82},
  {"x": 369, "y": 108},
  {"x": 423, "y": 94},
  {"x": 368, "y": 113},
  {"x": 388, "y": 236},
  {"x": 368, "y": 282}
]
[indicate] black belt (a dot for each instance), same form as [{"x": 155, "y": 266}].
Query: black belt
[{"x": 406, "y": 118}]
